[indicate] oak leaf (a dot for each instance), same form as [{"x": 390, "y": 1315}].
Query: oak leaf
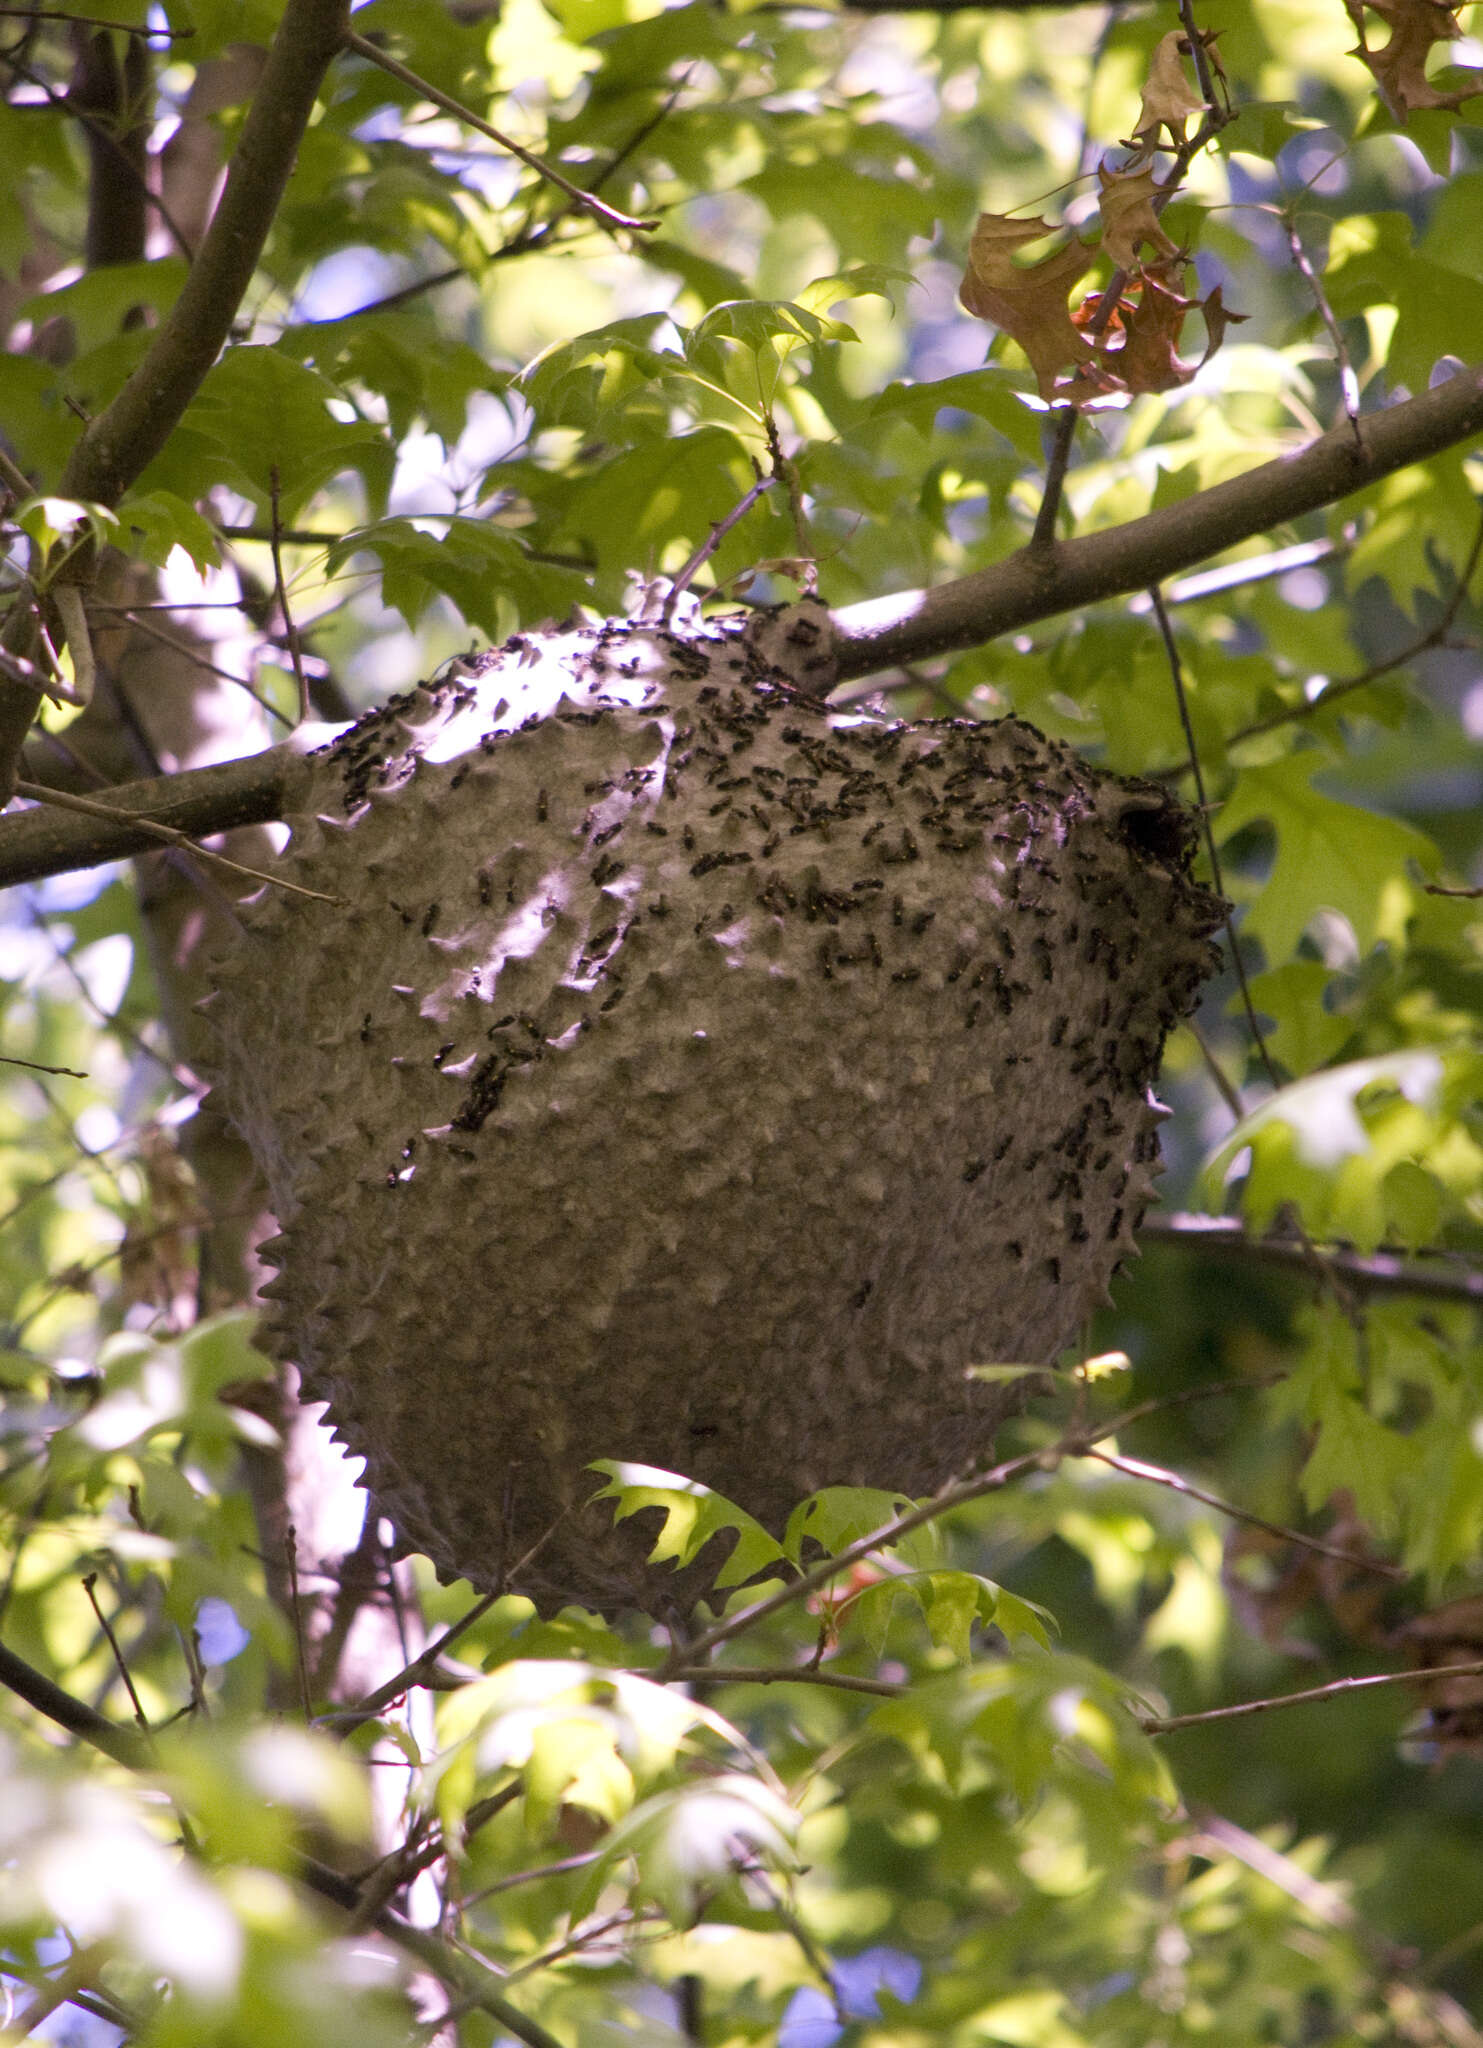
[
  {"x": 1140, "y": 350},
  {"x": 1168, "y": 97},
  {"x": 1128, "y": 218},
  {"x": 1149, "y": 359},
  {"x": 1029, "y": 304},
  {"x": 1400, "y": 67}
]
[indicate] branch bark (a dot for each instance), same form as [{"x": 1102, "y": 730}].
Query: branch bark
[
  {"x": 886, "y": 632},
  {"x": 882, "y": 633},
  {"x": 119, "y": 444},
  {"x": 1363, "y": 1272},
  {"x": 198, "y": 801}
]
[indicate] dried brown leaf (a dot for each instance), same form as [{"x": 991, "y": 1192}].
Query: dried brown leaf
[
  {"x": 1128, "y": 218},
  {"x": 1168, "y": 97},
  {"x": 1147, "y": 328},
  {"x": 1416, "y": 27},
  {"x": 1030, "y": 304},
  {"x": 1149, "y": 358}
]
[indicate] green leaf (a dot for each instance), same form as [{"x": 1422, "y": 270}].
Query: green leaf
[
  {"x": 1330, "y": 856},
  {"x": 484, "y": 569},
  {"x": 268, "y": 414},
  {"x": 693, "y": 1514},
  {"x": 685, "y": 1842},
  {"x": 158, "y": 522}
]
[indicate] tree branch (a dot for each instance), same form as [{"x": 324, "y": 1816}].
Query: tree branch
[
  {"x": 117, "y": 446},
  {"x": 130, "y": 432},
  {"x": 1162, "y": 1724},
  {"x": 198, "y": 802},
  {"x": 1364, "y": 1272},
  {"x": 881, "y": 633},
  {"x": 886, "y": 632},
  {"x": 38, "y": 1691}
]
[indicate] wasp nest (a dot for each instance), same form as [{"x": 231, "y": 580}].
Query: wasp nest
[{"x": 686, "y": 1074}]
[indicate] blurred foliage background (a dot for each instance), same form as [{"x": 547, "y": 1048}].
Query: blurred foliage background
[{"x": 454, "y": 403}]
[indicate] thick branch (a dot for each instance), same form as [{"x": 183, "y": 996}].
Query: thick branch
[
  {"x": 70, "y": 1713},
  {"x": 129, "y": 433},
  {"x": 126, "y": 436},
  {"x": 199, "y": 802},
  {"x": 886, "y": 632}
]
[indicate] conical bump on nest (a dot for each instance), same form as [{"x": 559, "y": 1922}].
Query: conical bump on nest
[{"x": 689, "y": 1075}]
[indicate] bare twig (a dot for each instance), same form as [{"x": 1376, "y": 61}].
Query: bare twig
[
  {"x": 1364, "y": 1273},
  {"x": 783, "y": 1674},
  {"x": 957, "y": 1494},
  {"x": 1176, "y": 672},
  {"x": 1348, "y": 382},
  {"x": 719, "y": 530},
  {"x": 1217, "y": 116},
  {"x": 1157, "y": 1475},
  {"x": 67, "y": 800},
  {"x": 609, "y": 216},
  {"x": 153, "y": 632},
  {"x": 1163, "y": 1724},
  {"x": 10, "y": 1059},
  {"x": 102, "y": 133},
  {"x": 296, "y": 1609},
  {"x": 418, "y": 1670},
  {"x": 90, "y": 1587},
  {"x": 280, "y": 590},
  {"x": 1434, "y": 636}
]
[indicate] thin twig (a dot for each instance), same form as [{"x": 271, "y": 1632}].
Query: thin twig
[
  {"x": 101, "y": 132},
  {"x": 417, "y": 1670},
  {"x": 11, "y": 1059},
  {"x": 124, "y": 28},
  {"x": 1348, "y": 382},
  {"x": 152, "y": 632},
  {"x": 1176, "y": 673},
  {"x": 1158, "y": 1475},
  {"x": 66, "y": 800},
  {"x": 280, "y": 591},
  {"x": 90, "y": 1587},
  {"x": 1434, "y": 636},
  {"x": 1363, "y": 1273},
  {"x": 291, "y": 1546},
  {"x": 609, "y": 216},
  {"x": 719, "y": 530},
  {"x": 14, "y": 476},
  {"x": 958, "y": 1494},
  {"x": 1224, "y": 1087},
  {"x": 1216, "y": 117},
  {"x": 782, "y": 1674},
  {"x": 1163, "y": 1724}
]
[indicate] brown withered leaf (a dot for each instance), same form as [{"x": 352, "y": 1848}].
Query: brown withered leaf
[
  {"x": 1147, "y": 328},
  {"x": 1149, "y": 358},
  {"x": 1399, "y": 69},
  {"x": 1168, "y": 97},
  {"x": 1030, "y": 304},
  {"x": 1128, "y": 218},
  {"x": 1218, "y": 317},
  {"x": 1450, "y": 1635}
]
